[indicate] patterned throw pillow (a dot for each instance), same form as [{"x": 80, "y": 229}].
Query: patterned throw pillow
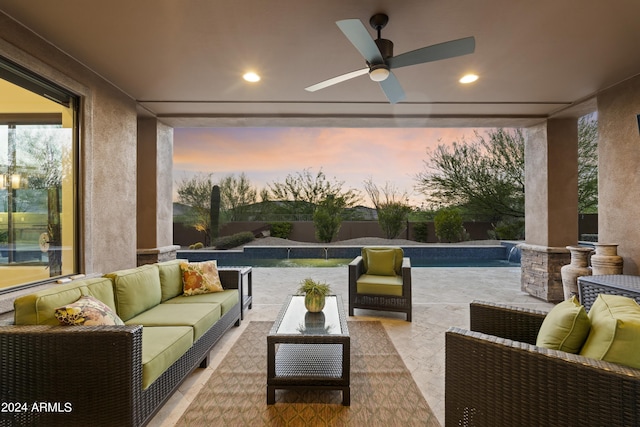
[
  {"x": 200, "y": 277},
  {"x": 87, "y": 311}
]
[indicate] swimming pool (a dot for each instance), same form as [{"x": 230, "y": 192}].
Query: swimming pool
[{"x": 504, "y": 255}]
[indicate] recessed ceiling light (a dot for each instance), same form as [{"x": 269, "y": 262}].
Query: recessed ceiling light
[
  {"x": 469, "y": 78},
  {"x": 251, "y": 77}
]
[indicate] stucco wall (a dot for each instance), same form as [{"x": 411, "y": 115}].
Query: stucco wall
[
  {"x": 618, "y": 171},
  {"x": 107, "y": 180}
]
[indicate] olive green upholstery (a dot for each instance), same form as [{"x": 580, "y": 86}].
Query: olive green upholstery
[
  {"x": 161, "y": 347},
  {"x": 380, "y": 279},
  {"x": 115, "y": 374}
]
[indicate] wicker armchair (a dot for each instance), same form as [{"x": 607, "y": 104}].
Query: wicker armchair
[
  {"x": 496, "y": 376},
  {"x": 379, "y": 301}
]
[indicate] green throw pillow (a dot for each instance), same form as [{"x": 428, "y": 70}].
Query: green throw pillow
[
  {"x": 382, "y": 262},
  {"x": 565, "y": 327},
  {"x": 615, "y": 331}
]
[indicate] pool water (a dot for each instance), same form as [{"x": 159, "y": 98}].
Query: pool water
[{"x": 338, "y": 262}]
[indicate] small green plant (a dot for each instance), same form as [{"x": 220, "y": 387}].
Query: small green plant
[
  {"x": 309, "y": 286},
  {"x": 281, "y": 229},
  {"x": 198, "y": 245}
]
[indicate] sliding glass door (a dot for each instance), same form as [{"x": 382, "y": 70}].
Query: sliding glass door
[{"x": 38, "y": 168}]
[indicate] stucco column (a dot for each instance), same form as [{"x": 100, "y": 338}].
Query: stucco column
[
  {"x": 551, "y": 205},
  {"x": 618, "y": 166},
  {"x": 154, "y": 192}
]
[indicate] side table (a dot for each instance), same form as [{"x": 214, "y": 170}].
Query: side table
[
  {"x": 589, "y": 287},
  {"x": 245, "y": 285}
]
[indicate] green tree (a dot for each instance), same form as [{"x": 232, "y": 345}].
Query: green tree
[
  {"x": 305, "y": 191},
  {"x": 485, "y": 177},
  {"x": 327, "y": 218},
  {"x": 391, "y": 206},
  {"x": 237, "y": 195},
  {"x": 196, "y": 193}
]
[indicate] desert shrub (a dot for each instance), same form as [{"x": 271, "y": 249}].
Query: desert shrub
[
  {"x": 327, "y": 218},
  {"x": 421, "y": 231},
  {"x": 392, "y": 218},
  {"x": 448, "y": 224},
  {"x": 281, "y": 229},
  {"x": 228, "y": 242},
  {"x": 510, "y": 229}
]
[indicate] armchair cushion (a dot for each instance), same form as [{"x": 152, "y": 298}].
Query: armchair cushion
[
  {"x": 565, "y": 327},
  {"x": 399, "y": 254},
  {"x": 379, "y": 285},
  {"x": 382, "y": 263},
  {"x": 615, "y": 331}
]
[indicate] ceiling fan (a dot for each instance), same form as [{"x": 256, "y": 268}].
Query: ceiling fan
[{"x": 379, "y": 55}]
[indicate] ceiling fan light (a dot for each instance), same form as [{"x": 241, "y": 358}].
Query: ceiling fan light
[{"x": 379, "y": 74}]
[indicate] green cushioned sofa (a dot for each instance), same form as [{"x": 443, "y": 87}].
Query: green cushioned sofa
[
  {"x": 495, "y": 375},
  {"x": 111, "y": 375}
]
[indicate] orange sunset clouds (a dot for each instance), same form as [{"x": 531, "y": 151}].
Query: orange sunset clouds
[{"x": 351, "y": 155}]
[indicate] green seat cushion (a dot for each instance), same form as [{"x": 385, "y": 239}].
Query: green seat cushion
[
  {"x": 136, "y": 290},
  {"x": 379, "y": 285},
  {"x": 227, "y": 299},
  {"x": 615, "y": 331},
  {"x": 565, "y": 327},
  {"x": 399, "y": 254},
  {"x": 170, "y": 278},
  {"x": 161, "y": 348},
  {"x": 201, "y": 317},
  {"x": 39, "y": 308}
]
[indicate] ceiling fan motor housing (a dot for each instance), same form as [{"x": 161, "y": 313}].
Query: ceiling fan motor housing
[{"x": 386, "y": 48}]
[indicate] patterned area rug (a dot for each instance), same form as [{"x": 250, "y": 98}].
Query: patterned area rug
[{"x": 383, "y": 392}]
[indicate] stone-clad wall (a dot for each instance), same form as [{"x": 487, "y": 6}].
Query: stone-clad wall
[{"x": 541, "y": 271}]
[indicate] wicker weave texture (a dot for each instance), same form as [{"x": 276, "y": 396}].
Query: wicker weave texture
[
  {"x": 96, "y": 371},
  {"x": 589, "y": 287},
  {"x": 401, "y": 304},
  {"x": 498, "y": 381}
]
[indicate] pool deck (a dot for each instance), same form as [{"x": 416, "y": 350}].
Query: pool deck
[{"x": 441, "y": 298}]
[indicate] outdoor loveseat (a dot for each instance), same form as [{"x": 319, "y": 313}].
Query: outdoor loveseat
[
  {"x": 110, "y": 375},
  {"x": 495, "y": 375}
]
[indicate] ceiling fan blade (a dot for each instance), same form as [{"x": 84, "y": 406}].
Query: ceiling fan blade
[
  {"x": 336, "y": 80},
  {"x": 435, "y": 52},
  {"x": 361, "y": 39},
  {"x": 392, "y": 89}
]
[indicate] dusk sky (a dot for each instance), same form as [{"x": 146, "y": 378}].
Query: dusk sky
[{"x": 351, "y": 155}]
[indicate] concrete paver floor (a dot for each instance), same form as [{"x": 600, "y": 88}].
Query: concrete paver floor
[{"x": 441, "y": 297}]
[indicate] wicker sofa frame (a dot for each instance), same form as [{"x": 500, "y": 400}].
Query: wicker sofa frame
[
  {"x": 92, "y": 375},
  {"x": 380, "y": 302},
  {"x": 496, "y": 376}
]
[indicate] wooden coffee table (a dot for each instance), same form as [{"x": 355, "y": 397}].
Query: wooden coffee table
[{"x": 309, "y": 350}]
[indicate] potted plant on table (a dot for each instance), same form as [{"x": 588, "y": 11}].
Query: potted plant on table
[{"x": 315, "y": 293}]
